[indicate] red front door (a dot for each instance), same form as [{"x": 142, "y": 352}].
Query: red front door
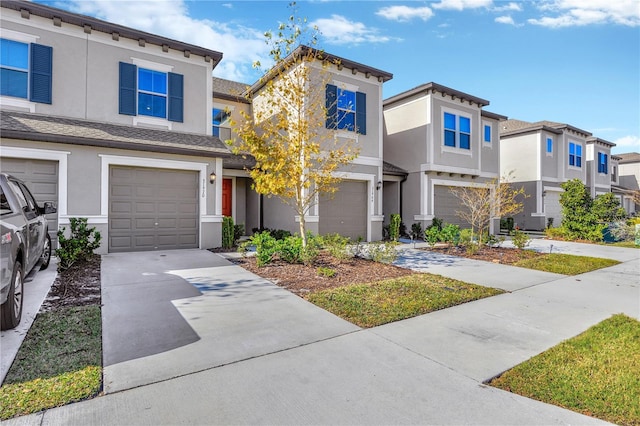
[{"x": 226, "y": 196}]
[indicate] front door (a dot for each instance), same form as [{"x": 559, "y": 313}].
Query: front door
[{"x": 227, "y": 185}]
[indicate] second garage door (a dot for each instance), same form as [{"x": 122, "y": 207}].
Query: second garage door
[
  {"x": 552, "y": 207},
  {"x": 152, "y": 209},
  {"x": 346, "y": 212}
]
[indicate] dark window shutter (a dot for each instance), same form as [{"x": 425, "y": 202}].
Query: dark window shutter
[
  {"x": 176, "y": 97},
  {"x": 41, "y": 73},
  {"x": 128, "y": 88},
  {"x": 332, "y": 106},
  {"x": 361, "y": 113}
]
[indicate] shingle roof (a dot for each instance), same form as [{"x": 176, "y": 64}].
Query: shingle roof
[
  {"x": 108, "y": 27},
  {"x": 228, "y": 89},
  {"x": 511, "y": 127},
  {"x": 27, "y": 126},
  {"x": 629, "y": 157},
  {"x": 390, "y": 169}
]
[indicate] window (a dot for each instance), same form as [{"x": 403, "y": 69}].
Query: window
[
  {"x": 151, "y": 93},
  {"x": 25, "y": 70},
  {"x": 549, "y": 146},
  {"x": 602, "y": 163},
  {"x": 221, "y": 124},
  {"x": 457, "y": 131},
  {"x": 346, "y": 109},
  {"x": 575, "y": 154},
  {"x": 487, "y": 133},
  {"x": 614, "y": 173}
]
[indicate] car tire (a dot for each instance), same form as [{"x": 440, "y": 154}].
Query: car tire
[
  {"x": 12, "y": 308},
  {"x": 46, "y": 253}
]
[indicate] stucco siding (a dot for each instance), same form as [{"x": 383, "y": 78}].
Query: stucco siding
[{"x": 518, "y": 156}]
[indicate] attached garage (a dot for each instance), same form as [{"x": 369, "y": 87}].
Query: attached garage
[
  {"x": 346, "y": 212},
  {"x": 445, "y": 206},
  {"x": 552, "y": 207},
  {"x": 152, "y": 209},
  {"x": 41, "y": 177}
]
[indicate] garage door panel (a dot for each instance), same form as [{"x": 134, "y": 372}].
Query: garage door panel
[
  {"x": 41, "y": 177},
  {"x": 346, "y": 212},
  {"x": 446, "y": 205},
  {"x": 163, "y": 210}
]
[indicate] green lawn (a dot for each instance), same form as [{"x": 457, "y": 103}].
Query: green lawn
[
  {"x": 565, "y": 264},
  {"x": 60, "y": 361},
  {"x": 381, "y": 302},
  {"x": 626, "y": 244},
  {"x": 596, "y": 373}
]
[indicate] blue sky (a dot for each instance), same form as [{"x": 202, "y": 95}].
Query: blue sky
[{"x": 571, "y": 61}]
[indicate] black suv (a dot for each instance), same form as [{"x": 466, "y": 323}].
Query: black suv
[{"x": 25, "y": 245}]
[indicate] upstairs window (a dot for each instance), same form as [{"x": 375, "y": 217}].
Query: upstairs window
[
  {"x": 26, "y": 70},
  {"x": 487, "y": 133},
  {"x": 457, "y": 131},
  {"x": 614, "y": 173},
  {"x": 575, "y": 154},
  {"x": 221, "y": 124},
  {"x": 151, "y": 93},
  {"x": 602, "y": 163},
  {"x": 346, "y": 110},
  {"x": 549, "y": 146}
]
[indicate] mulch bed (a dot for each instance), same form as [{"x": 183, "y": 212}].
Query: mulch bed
[
  {"x": 507, "y": 256},
  {"x": 77, "y": 286},
  {"x": 302, "y": 279}
]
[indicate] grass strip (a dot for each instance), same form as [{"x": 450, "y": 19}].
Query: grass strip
[
  {"x": 60, "y": 361},
  {"x": 566, "y": 264},
  {"x": 596, "y": 373},
  {"x": 381, "y": 302}
]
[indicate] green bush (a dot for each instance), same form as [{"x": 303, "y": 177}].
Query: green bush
[
  {"x": 336, "y": 245},
  {"x": 80, "y": 244},
  {"x": 290, "y": 249},
  {"x": 238, "y": 231},
  {"x": 266, "y": 247},
  {"x": 416, "y": 231},
  {"x": 467, "y": 239},
  {"x": 394, "y": 227},
  {"x": 227, "y": 232},
  {"x": 451, "y": 234},
  {"x": 323, "y": 271},
  {"x": 520, "y": 239},
  {"x": 432, "y": 235},
  {"x": 382, "y": 252}
]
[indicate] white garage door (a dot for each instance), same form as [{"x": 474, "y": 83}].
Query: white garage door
[
  {"x": 552, "y": 207},
  {"x": 41, "y": 177},
  {"x": 152, "y": 209},
  {"x": 346, "y": 212}
]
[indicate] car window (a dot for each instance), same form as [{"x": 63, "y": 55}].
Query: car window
[
  {"x": 5, "y": 207},
  {"x": 21, "y": 200},
  {"x": 31, "y": 202}
]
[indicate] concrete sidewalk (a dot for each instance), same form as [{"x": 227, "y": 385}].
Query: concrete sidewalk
[{"x": 264, "y": 356}]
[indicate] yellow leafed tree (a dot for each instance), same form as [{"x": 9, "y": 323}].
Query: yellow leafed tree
[{"x": 296, "y": 156}]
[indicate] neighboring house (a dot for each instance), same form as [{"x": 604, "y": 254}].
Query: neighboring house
[
  {"x": 599, "y": 166},
  {"x": 442, "y": 138},
  {"x": 355, "y": 210},
  {"x": 113, "y": 124},
  {"x": 540, "y": 157},
  {"x": 628, "y": 173}
]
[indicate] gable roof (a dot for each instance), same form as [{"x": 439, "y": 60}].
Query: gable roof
[
  {"x": 391, "y": 169},
  {"x": 629, "y": 157},
  {"x": 515, "y": 127},
  {"x": 432, "y": 88},
  {"x": 44, "y": 128},
  {"x": 228, "y": 89},
  {"x": 94, "y": 24}
]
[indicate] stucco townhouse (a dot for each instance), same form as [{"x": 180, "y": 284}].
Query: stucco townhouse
[
  {"x": 435, "y": 138},
  {"x": 113, "y": 124}
]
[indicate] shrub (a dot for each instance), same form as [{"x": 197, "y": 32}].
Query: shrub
[
  {"x": 227, "y": 232},
  {"x": 451, "y": 234},
  {"x": 492, "y": 240},
  {"x": 336, "y": 245},
  {"x": 80, "y": 244},
  {"x": 290, "y": 249},
  {"x": 549, "y": 222},
  {"x": 467, "y": 239},
  {"x": 432, "y": 235},
  {"x": 520, "y": 239},
  {"x": 323, "y": 271},
  {"x": 394, "y": 227},
  {"x": 266, "y": 247},
  {"x": 624, "y": 230},
  {"x": 555, "y": 233},
  {"x": 238, "y": 231},
  {"x": 416, "y": 231},
  {"x": 507, "y": 223},
  {"x": 382, "y": 252}
]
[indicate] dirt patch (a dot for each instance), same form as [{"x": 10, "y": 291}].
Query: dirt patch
[
  {"x": 302, "y": 279},
  {"x": 507, "y": 256},
  {"x": 77, "y": 286}
]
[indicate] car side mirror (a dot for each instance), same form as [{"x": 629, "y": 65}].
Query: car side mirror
[{"x": 49, "y": 208}]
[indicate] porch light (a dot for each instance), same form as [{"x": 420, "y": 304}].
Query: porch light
[
  {"x": 379, "y": 185},
  {"x": 212, "y": 177}
]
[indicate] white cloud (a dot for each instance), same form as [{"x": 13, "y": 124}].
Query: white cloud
[
  {"x": 508, "y": 20},
  {"x": 340, "y": 30},
  {"x": 509, "y": 7},
  {"x": 461, "y": 4},
  {"x": 627, "y": 143},
  {"x": 241, "y": 46},
  {"x": 405, "y": 13},
  {"x": 588, "y": 12}
]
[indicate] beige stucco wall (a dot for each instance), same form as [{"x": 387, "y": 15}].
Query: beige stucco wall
[{"x": 518, "y": 157}]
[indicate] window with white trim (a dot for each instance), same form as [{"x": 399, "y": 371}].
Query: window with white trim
[
  {"x": 487, "y": 133},
  {"x": 221, "y": 123},
  {"x": 457, "y": 131},
  {"x": 603, "y": 166},
  {"x": 549, "y": 146},
  {"x": 575, "y": 154},
  {"x": 25, "y": 70}
]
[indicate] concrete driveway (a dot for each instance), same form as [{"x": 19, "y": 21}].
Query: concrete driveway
[{"x": 256, "y": 354}]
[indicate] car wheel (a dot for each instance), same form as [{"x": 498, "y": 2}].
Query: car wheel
[
  {"x": 12, "y": 308},
  {"x": 46, "y": 253}
]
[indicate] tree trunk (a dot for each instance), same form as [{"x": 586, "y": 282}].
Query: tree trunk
[{"x": 303, "y": 233}]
